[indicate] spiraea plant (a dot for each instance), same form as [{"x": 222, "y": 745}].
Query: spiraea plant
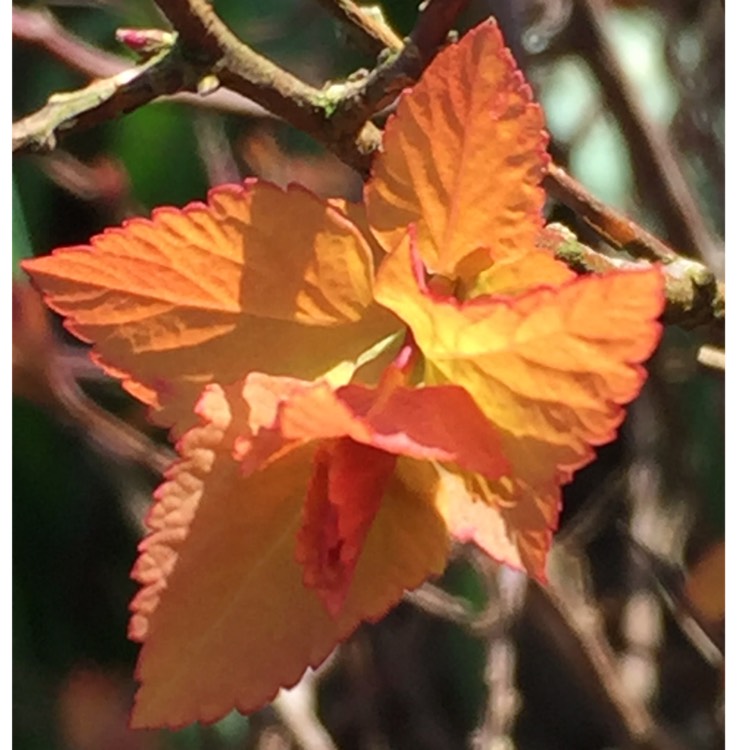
[{"x": 352, "y": 386}]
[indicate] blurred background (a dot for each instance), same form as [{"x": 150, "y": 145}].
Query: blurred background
[{"x": 625, "y": 649}]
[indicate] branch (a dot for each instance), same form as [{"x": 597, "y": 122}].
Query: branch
[
  {"x": 663, "y": 182},
  {"x": 504, "y": 699},
  {"x": 694, "y": 296},
  {"x": 103, "y": 100},
  {"x": 573, "y": 623},
  {"x": 46, "y": 373},
  {"x": 113, "y": 437},
  {"x": 338, "y": 116},
  {"x": 362, "y": 99},
  {"x": 40, "y": 28},
  {"x": 621, "y": 232},
  {"x": 207, "y": 41},
  {"x": 618, "y": 230},
  {"x": 296, "y": 707},
  {"x": 374, "y": 34}
]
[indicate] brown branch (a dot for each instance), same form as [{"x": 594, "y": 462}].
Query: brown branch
[
  {"x": 504, "y": 700},
  {"x": 111, "y": 436},
  {"x": 47, "y": 372},
  {"x": 296, "y": 708},
  {"x": 39, "y": 27},
  {"x": 621, "y": 232},
  {"x": 207, "y": 41},
  {"x": 694, "y": 297},
  {"x": 568, "y": 611},
  {"x": 101, "y": 100},
  {"x": 438, "y": 603},
  {"x": 338, "y": 116},
  {"x": 575, "y": 627},
  {"x": 215, "y": 150},
  {"x": 667, "y": 580},
  {"x": 661, "y": 180},
  {"x": 373, "y": 35},
  {"x": 382, "y": 86}
]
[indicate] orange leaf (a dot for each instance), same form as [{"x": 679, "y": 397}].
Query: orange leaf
[
  {"x": 363, "y": 430},
  {"x": 463, "y": 157},
  {"x": 511, "y": 520},
  {"x": 438, "y": 423},
  {"x": 551, "y": 368},
  {"x": 298, "y": 509},
  {"x": 343, "y": 497},
  {"x": 224, "y": 612},
  {"x": 211, "y": 292}
]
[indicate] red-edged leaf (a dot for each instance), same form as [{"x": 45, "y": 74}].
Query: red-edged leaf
[
  {"x": 343, "y": 498},
  {"x": 551, "y": 368},
  {"x": 363, "y": 430},
  {"x": 211, "y": 292},
  {"x": 463, "y": 157},
  {"x": 296, "y": 509},
  {"x": 234, "y": 620},
  {"x": 439, "y": 423}
]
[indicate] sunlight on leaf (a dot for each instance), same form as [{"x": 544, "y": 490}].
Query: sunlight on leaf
[
  {"x": 551, "y": 367},
  {"x": 370, "y": 381},
  {"x": 234, "y": 620},
  {"x": 463, "y": 158},
  {"x": 210, "y": 292}
]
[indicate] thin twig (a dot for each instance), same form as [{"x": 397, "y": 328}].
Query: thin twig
[
  {"x": 434, "y": 601},
  {"x": 693, "y": 295},
  {"x": 658, "y": 527},
  {"x": 574, "y": 625},
  {"x": 668, "y": 581},
  {"x": 574, "y": 622},
  {"x": 47, "y": 372},
  {"x": 338, "y": 115},
  {"x": 595, "y": 513},
  {"x": 503, "y": 698},
  {"x": 297, "y": 709},
  {"x": 363, "y": 99},
  {"x": 662, "y": 181},
  {"x": 438, "y": 603},
  {"x": 207, "y": 41},
  {"x": 40, "y": 28},
  {"x": 103, "y": 181},
  {"x": 110, "y": 435},
  {"x": 103, "y": 100},
  {"x": 338, "y": 118},
  {"x": 215, "y": 149},
  {"x": 374, "y": 35},
  {"x": 618, "y": 230}
]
